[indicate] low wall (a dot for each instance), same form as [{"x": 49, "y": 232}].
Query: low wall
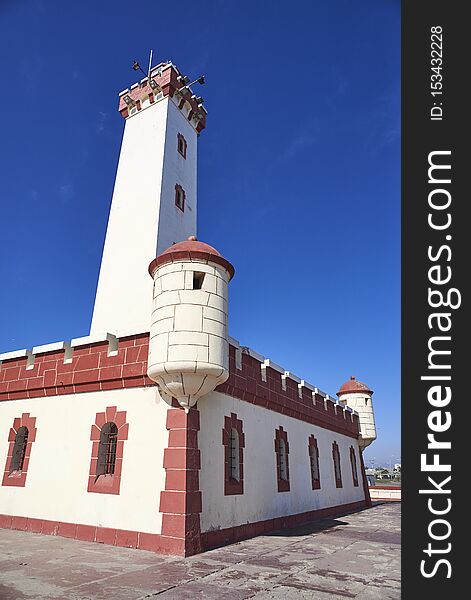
[{"x": 385, "y": 492}]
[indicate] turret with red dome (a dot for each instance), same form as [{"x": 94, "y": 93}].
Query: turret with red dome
[{"x": 359, "y": 397}]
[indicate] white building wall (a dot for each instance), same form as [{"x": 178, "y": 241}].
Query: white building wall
[
  {"x": 143, "y": 217},
  {"x": 57, "y": 478},
  {"x": 261, "y": 499}
]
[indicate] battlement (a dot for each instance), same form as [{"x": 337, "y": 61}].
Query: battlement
[
  {"x": 165, "y": 81},
  {"x": 105, "y": 362}
]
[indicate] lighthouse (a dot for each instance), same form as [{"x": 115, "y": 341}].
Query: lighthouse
[{"x": 154, "y": 198}]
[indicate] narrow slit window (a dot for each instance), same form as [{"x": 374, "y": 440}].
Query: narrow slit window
[
  {"x": 283, "y": 461},
  {"x": 337, "y": 469},
  {"x": 181, "y": 145},
  {"x": 314, "y": 463},
  {"x": 234, "y": 455},
  {"x": 198, "y": 279},
  {"x": 353, "y": 462},
  {"x": 180, "y": 197},
  {"x": 19, "y": 450}
]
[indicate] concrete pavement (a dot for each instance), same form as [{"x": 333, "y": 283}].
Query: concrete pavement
[{"x": 351, "y": 556}]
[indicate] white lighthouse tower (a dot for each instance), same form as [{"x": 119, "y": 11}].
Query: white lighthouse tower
[
  {"x": 154, "y": 197},
  {"x": 189, "y": 346},
  {"x": 358, "y": 396}
]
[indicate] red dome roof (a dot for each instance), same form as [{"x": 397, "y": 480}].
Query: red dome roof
[
  {"x": 191, "y": 249},
  {"x": 191, "y": 245},
  {"x": 353, "y": 386}
]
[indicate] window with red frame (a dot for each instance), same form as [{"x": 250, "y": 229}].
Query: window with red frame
[
  {"x": 180, "y": 197},
  {"x": 233, "y": 440},
  {"x": 108, "y": 434},
  {"x": 21, "y": 438},
  {"x": 353, "y": 462},
  {"x": 337, "y": 469},
  {"x": 314, "y": 463},
  {"x": 181, "y": 145},
  {"x": 282, "y": 459}
]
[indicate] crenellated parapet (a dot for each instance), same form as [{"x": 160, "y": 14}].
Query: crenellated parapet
[
  {"x": 165, "y": 81},
  {"x": 87, "y": 364},
  {"x": 106, "y": 362},
  {"x": 260, "y": 381}
]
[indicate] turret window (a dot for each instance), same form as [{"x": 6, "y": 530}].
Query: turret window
[
  {"x": 282, "y": 459},
  {"x": 353, "y": 462},
  {"x": 180, "y": 197},
  {"x": 337, "y": 469},
  {"x": 314, "y": 463},
  {"x": 198, "y": 279},
  {"x": 233, "y": 440},
  {"x": 181, "y": 145}
]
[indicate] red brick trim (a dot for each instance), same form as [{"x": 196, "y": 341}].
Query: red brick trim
[
  {"x": 153, "y": 542},
  {"x": 91, "y": 369},
  {"x": 181, "y": 138},
  {"x": 220, "y": 537},
  {"x": 313, "y": 448},
  {"x": 18, "y": 478},
  {"x": 336, "y": 464},
  {"x": 180, "y": 502},
  {"x": 233, "y": 486},
  {"x": 281, "y": 437},
  {"x": 353, "y": 464},
  {"x": 247, "y": 385},
  {"x": 169, "y": 84},
  {"x": 107, "y": 484}
]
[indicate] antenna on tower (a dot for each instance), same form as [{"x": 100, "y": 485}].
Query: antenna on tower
[{"x": 150, "y": 63}]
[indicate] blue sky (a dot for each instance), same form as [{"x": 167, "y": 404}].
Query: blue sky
[{"x": 299, "y": 178}]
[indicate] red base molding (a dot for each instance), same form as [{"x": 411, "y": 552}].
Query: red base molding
[
  {"x": 220, "y": 537},
  {"x": 164, "y": 544},
  {"x": 153, "y": 542}
]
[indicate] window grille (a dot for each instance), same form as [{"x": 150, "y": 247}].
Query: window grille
[
  {"x": 107, "y": 450},
  {"x": 19, "y": 449},
  {"x": 234, "y": 455}
]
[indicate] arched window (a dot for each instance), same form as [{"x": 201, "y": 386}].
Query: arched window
[
  {"x": 233, "y": 440},
  {"x": 337, "y": 469},
  {"x": 107, "y": 450},
  {"x": 314, "y": 463},
  {"x": 21, "y": 439},
  {"x": 353, "y": 462},
  {"x": 282, "y": 459},
  {"x": 108, "y": 434},
  {"x": 234, "y": 455},
  {"x": 19, "y": 450}
]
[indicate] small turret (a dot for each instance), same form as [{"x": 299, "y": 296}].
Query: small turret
[
  {"x": 358, "y": 396},
  {"x": 189, "y": 347}
]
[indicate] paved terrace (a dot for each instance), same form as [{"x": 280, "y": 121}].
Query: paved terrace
[{"x": 352, "y": 556}]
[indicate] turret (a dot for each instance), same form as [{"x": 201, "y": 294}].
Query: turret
[
  {"x": 358, "y": 396},
  {"x": 189, "y": 347}
]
